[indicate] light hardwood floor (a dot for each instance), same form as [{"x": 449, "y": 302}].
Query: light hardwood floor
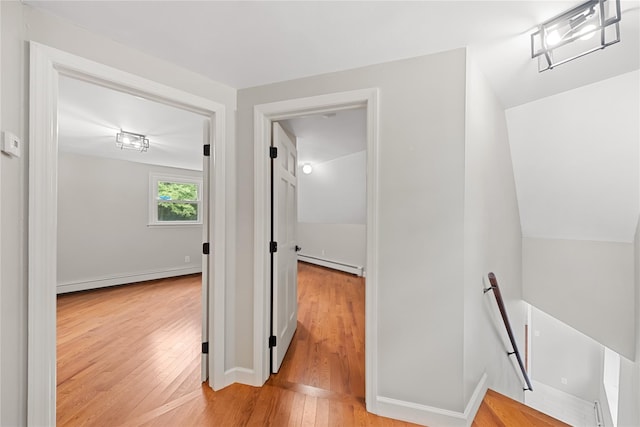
[{"x": 130, "y": 356}]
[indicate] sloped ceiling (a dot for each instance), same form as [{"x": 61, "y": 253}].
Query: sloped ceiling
[{"x": 575, "y": 160}]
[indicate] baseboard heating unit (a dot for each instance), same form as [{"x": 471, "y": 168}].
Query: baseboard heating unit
[{"x": 353, "y": 269}]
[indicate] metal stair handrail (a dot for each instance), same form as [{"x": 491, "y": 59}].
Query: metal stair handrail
[{"x": 503, "y": 312}]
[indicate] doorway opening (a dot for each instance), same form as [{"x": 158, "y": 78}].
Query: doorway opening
[
  {"x": 332, "y": 188},
  {"x": 264, "y": 116},
  {"x": 325, "y": 183},
  {"x": 47, "y": 66},
  {"x": 128, "y": 216}
]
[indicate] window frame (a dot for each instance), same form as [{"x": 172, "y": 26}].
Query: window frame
[{"x": 154, "y": 200}]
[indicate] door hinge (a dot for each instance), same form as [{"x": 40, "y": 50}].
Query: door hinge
[
  {"x": 207, "y": 150},
  {"x": 273, "y": 247},
  {"x": 205, "y": 248},
  {"x": 272, "y": 341},
  {"x": 273, "y": 152},
  {"x": 205, "y": 348}
]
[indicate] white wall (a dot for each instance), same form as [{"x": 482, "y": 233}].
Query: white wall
[
  {"x": 559, "y": 351},
  {"x": 332, "y": 203},
  {"x": 335, "y": 192},
  {"x": 629, "y": 403},
  {"x": 103, "y": 232},
  {"x": 13, "y": 194},
  {"x": 563, "y": 406},
  {"x": 586, "y": 284},
  {"x": 607, "y": 418},
  {"x": 421, "y": 198},
  {"x": 492, "y": 242},
  {"x": 341, "y": 243},
  {"x": 575, "y": 157},
  {"x": 21, "y": 23},
  {"x": 629, "y": 409}
]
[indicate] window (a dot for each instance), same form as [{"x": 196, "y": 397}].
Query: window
[{"x": 175, "y": 200}]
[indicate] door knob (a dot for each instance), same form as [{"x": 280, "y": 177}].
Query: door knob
[{"x": 298, "y": 248}]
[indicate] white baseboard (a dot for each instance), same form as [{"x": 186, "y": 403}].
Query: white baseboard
[
  {"x": 432, "y": 416},
  {"x": 353, "y": 269},
  {"x": 475, "y": 401},
  {"x": 103, "y": 282},
  {"x": 240, "y": 375}
]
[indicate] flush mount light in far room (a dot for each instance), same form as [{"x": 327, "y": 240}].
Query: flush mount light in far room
[
  {"x": 131, "y": 141},
  {"x": 587, "y": 28},
  {"x": 307, "y": 168}
]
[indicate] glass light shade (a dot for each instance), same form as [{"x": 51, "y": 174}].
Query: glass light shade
[{"x": 131, "y": 141}]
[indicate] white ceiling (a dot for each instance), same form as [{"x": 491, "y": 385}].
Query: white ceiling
[
  {"x": 245, "y": 43},
  {"x": 89, "y": 116},
  {"x": 563, "y": 170},
  {"x": 325, "y": 137}
]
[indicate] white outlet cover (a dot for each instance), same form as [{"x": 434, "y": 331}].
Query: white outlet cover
[{"x": 11, "y": 144}]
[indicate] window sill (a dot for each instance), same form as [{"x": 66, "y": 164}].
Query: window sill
[{"x": 175, "y": 225}]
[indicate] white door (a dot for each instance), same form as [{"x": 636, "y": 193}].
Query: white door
[
  {"x": 204, "y": 363},
  {"x": 285, "y": 268}
]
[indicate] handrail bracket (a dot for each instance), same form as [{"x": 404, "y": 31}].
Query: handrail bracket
[{"x": 490, "y": 288}]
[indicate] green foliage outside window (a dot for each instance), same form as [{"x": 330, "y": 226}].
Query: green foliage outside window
[{"x": 177, "y": 201}]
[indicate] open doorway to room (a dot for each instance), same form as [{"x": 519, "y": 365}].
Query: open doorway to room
[
  {"x": 327, "y": 351},
  {"x": 332, "y": 189},
  {"x": 264, "y": 116},
  {"x": 132, "y": 214},
  {"x": 48, "y": 66}
]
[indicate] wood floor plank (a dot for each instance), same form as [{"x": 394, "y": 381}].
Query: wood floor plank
[
  {"x": 485, "y": 417},
  {"x": 264, "y": 409},
  {"x": 322, "y": 413},
  {"x": 309, "y": 411}
]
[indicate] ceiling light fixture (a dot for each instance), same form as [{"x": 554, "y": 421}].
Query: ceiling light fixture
[
  {"x": 131, "y": 141},
  {"x": 570, "y": 35},
  {"x": 307, "y": 168}
]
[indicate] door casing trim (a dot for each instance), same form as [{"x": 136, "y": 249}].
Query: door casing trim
[
  {"x": 46, "y": 65},
  {"x": 264, "y": 115}
]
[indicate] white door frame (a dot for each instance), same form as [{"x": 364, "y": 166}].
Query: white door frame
[
  {"x": 46, "y": 65},
  {"x": 264, "y": 115},
  {"x": 0, "y": 187}
]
